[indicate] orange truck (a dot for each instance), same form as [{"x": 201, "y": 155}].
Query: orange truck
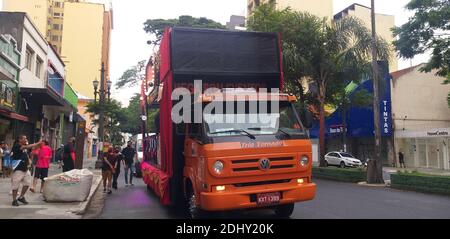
[{"x": 240, "y": 143}]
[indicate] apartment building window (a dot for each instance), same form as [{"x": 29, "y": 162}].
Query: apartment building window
[
  {"x": 257, "y": 3},
  {"x": 58, "y": 4},
  {"x": 39, "y": 64},
  {"x": 29, "y": 58},
  {"x": 56, "y": 15},
  {"x": 55, "y": 38},
  {"x": 56, "y": 26}
]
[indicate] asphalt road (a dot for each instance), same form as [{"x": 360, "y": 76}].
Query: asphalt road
[{"x": 334, "y": 200}]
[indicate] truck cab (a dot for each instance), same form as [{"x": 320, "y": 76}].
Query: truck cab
[{"x": 240, "y": 159}]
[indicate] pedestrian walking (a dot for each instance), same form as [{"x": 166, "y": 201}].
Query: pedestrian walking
[
  {"x": 68, "y": 162},
  {"x": 59, "y": 154},
  {"x": 129, "y": 154},
  {"x": 6, "y": 160},
  {"x": 42, "y": 165},
  {"x": 21, "y": 163},
  {"x": 1, "y": 158},
  {"x": 401, "y": 159},
  {"x": 119, "y": 159},
  {"x": 108, "y": 169}
]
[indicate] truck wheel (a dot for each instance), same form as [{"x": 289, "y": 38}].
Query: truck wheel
[
  {"x": 285, "y": 211},
  {"x": 342, "y": 165},
  {"x": 193, "y": 211}
]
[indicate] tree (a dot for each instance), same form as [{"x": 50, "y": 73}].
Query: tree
[
  {"x": 132, "y": 76},
  {"x": 132, "y": 123},
  {"x": 317, "y": 51},
  {"x": 114, "y": 116},
  {"x": 156, "y": 27},
  {"x": 427, "y": 30}
]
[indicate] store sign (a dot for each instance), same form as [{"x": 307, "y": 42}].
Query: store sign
[
  {"x": 437, "y": 133},
  {"x": 386, "y": 118},
  {"x": 7, "y": 97},
  {"x": 336, "y": 129}
]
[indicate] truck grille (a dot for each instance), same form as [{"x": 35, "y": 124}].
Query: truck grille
[
  {"x": 247, "y": 165},
  {"x": 261, "y": 183}
]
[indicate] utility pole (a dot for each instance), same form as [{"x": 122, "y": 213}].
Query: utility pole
[{"x": 375, "y": 167}]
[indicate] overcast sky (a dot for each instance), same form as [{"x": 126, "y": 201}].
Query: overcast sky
[{"x": 129, "y": 39}]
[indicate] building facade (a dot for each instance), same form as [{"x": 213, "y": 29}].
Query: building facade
[
  {"x": 422, "y": 118},
  {"x": 90, "y": 144},
  {"x": 9, "y": 88},
  {"x": 62, "y": 22},
  {"x": 236, "y": 23},
  {"x": 321, "y": 8},
  {"x": 41, "y": 79},
  {"x": 384, "y": 24}
]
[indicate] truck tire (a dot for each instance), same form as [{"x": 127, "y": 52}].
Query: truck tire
[
  {"x": 193, "y": 211},
  {"x": 284, "y": 211}
]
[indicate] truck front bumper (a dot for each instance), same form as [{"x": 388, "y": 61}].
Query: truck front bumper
[{"x": 242, "y": 198}]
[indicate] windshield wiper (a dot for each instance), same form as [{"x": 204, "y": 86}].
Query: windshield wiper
[
  {"x": 236, "y": 131},
  {"x": 282, "y": 131}
]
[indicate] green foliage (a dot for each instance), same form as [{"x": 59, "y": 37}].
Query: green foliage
[
  {"x": 427, "y": 30},
  {"x": 114, "y": 116},
  {"x": 421, "y": 182},
  {"x": 338, "y": 174},
  {"x": 132, "y": 76},
  {"x": 156, "y": 27},
  {"x": 133, "y": 122}
]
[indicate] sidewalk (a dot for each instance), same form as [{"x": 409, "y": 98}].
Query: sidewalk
[{"x": 37, "y": 207}]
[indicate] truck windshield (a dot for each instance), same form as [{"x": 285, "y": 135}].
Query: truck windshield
[{"x": 284, "y": 122}]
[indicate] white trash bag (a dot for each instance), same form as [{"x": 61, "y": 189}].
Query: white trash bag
[{"x": 71, "y": 186}]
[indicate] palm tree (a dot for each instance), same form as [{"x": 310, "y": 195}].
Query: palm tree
[{"x": 346, "y": 44}]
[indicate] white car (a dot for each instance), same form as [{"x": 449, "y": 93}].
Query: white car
[{"x": 342, "y": 160}]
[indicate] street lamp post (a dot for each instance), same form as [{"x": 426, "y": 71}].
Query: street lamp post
[{"x": 102, "y": 92}]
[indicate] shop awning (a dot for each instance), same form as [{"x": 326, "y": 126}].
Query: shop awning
[
  {"x": 13, "y": 115},
  {"x": 44, "y": 96}
]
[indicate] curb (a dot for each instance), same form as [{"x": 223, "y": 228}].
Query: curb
[
  {"x": 365, "y": 184},
  {"x": 84, "y": 205}
]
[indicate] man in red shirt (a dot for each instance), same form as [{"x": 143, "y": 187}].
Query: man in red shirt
[{"x": 43, "y": 163}]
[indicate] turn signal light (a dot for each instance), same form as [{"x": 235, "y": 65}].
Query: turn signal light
[{"x": 220, "y": 188}]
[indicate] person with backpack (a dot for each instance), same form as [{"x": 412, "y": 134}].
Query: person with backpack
[{"x": 21, "y": 163}]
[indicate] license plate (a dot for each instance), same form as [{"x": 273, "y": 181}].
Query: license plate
[{"x": 268, "y": 198}]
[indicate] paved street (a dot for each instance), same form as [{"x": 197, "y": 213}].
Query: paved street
[{"x": 334, "y": 200}]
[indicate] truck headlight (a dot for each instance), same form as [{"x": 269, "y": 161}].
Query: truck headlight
[
  {"x": 304, "y": 160},
  {"x": 218, "y": 167}
]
